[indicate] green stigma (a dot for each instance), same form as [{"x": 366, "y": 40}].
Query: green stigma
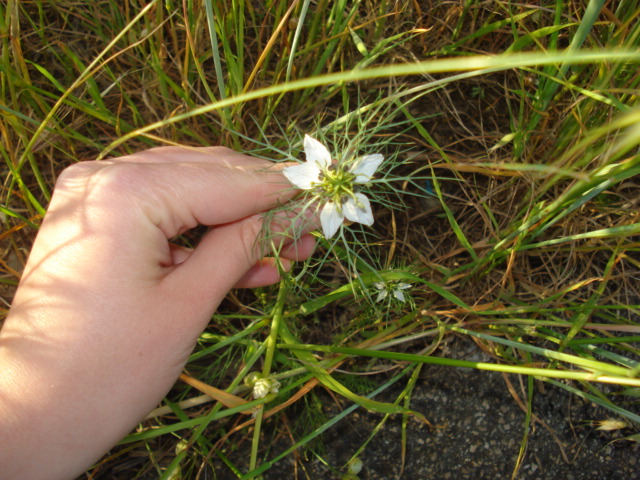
[{"x": 337, "y": 184}]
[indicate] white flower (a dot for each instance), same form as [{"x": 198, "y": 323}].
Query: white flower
[
  {"x": 335, "y": 184},
  {"x": 354, "y": 466},
  {"x": 264, "y": 386},
  {"x": 396, "y": 290}
]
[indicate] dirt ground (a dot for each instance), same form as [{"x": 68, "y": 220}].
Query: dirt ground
[{"x": 479, "y": 434}]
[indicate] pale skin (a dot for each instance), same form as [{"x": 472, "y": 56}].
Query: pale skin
[{"x": 108, "y": 310}]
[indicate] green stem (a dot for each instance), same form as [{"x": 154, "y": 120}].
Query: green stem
[
  {"x": 255, "y": 443},
  {"x": 595, "y": 376},
  {"x": 275, "y": 327},
  {"x": 268, "y": 362}
]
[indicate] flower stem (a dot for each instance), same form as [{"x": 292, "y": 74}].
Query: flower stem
[
  {"x": 275, "y": 327},
  {"x": 255, "y": 443},
  {"x": 271, "y": 342}
]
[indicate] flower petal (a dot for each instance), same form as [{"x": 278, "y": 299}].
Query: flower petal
[
  {"x": 382, "y": 295},
  {"x": 316, "y": 152},
  {"x": 330, "y": 218},
  {"x": 403, "y": 286},
  {"x": 303, "y": 175},
  {"x": 358, "y": 209},
  {"x": 365, "y": 167},
  {"x": 398, "y": 294}
]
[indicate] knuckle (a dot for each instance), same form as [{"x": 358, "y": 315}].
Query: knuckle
[
  {"x": 101, "y": 181},
  {"x": 73, "y": 174},
  {"x": 118, "y": 177}
]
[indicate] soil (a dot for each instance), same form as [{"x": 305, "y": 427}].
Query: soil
[{"x": 478, "y": 434}]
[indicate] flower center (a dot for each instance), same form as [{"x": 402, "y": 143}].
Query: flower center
[{"x": 336, "y": 184}]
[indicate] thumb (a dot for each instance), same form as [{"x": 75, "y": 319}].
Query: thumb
[{"x": 219, "y": 261}]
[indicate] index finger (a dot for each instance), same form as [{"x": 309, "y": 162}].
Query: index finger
[
  {"x": 215, "y": 192},
  {"x": 173, "y": 154},
  {"x": 179, "y": 188}
]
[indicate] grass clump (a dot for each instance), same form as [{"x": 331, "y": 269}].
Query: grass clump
[{"x": 506, "y": 212}]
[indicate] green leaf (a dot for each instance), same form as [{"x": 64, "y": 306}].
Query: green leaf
[{"x": 313, "y": 366}]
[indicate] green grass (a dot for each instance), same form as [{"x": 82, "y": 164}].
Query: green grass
[{"x": 524, "y": 120}]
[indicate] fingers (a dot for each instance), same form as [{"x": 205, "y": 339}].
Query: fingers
[
  {"x": 295, "y": 251},
  {"x": 185, "y": 195},
  {"x": 187, "y": 154},
  {"x": 178, "y": 188},
  {"x": 268, "y": 270},
  {"x": 230, "y": 256},
  {"x": 265, "y": 272},
  {"x": 300, "y": 250},
  {"x": 163, "y": 192}
]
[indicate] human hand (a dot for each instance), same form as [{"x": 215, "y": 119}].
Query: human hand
[{"x": 108, "y": 310}]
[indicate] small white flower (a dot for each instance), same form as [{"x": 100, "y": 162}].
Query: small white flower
[
  {"x": 335, "y": 184},
  {"x": 355, "y": 466},
  {"x": 275, "y": 386},
  {"x": 264, "y": 386},
  {"x": 382, "y": 290},
  {"x": 261, "y": 388},
  {"x": 396, "y": 290}
]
